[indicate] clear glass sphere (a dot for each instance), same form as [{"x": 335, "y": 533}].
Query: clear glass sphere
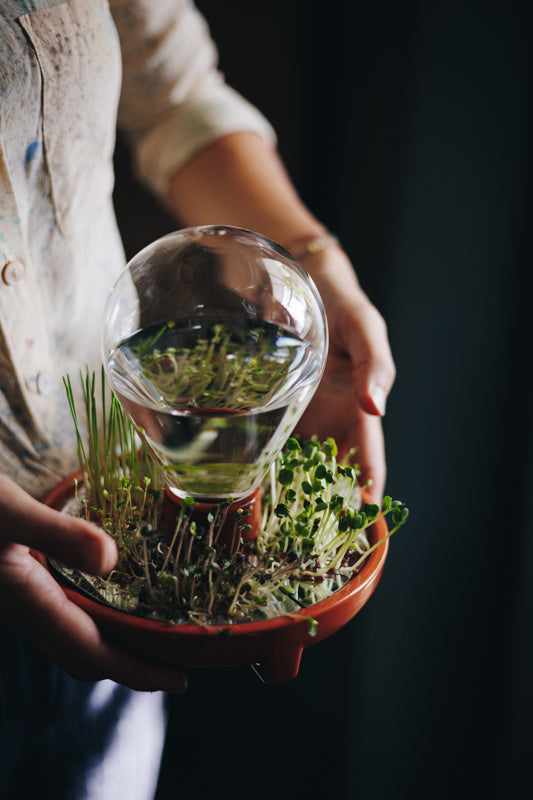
[{"x": 214, "y": 342}]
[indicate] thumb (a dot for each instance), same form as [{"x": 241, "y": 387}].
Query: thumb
[
  {"x": 365, "y": 340},
  {"x": 372, "y": 387},
  {"x": 73, "y": 541}
]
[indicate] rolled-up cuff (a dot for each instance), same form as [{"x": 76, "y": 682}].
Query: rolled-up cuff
[{"x": 193, "y": 127}]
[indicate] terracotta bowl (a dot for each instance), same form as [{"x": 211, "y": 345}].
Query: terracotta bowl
[{"x": 273, "y": 647}]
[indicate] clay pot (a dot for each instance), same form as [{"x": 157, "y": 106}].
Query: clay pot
[{"x": 273, "y": 647}]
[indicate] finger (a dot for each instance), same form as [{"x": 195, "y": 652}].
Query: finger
[
  {"x": 362, "y": 335},
  {"x": 334, "y": 412},
  {"x": 42, "y": 612},
  {"x": 332, "y": 409},
  {"x": 367, "y": 431},
  {"x": 73, "y": 541}
]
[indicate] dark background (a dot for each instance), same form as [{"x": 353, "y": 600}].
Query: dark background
[{"x": 407, "y": 129}]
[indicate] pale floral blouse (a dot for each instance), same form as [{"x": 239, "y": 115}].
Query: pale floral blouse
[{"x": 68, "y": 70}]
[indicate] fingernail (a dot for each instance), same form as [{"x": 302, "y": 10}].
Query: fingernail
[
  {"x": 101, "y": 553},
  {"x": 379, "y": 398},
  {"x": 109, "y": 557}
]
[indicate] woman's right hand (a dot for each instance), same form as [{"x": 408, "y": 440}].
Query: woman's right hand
[{"x": 33, "y": 603}]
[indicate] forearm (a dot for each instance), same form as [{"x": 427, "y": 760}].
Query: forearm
[{"x": 240, "y": 180}]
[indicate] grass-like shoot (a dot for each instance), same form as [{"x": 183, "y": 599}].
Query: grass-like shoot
[{"x": 311, "y": 540}]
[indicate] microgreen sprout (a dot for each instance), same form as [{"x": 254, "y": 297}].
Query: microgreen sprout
[
  {"x": 214, "y": 372},
  {"x": 312, "y": 537}
]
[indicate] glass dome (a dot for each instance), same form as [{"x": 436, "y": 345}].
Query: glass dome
[{"x": 214, "y": 342}]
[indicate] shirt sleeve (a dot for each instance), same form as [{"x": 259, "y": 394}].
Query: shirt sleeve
[{"x": 174, "y": 101}]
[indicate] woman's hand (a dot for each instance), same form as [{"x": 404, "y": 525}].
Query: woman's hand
[
  {"x": 359, "y": 374},
  {"x": 240, "y": 180},
  {"x": 33, "y": 603}
]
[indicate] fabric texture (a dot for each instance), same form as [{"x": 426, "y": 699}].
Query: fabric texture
[
  {"x": 70, "y": 740},
  {"x": 60, "y": 89},
  {"x": 61, "y": 67}
]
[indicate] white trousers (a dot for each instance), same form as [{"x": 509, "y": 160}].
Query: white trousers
[{"x": 70, "y": 740}]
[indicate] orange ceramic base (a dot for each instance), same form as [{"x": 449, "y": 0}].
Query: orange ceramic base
[{"x": 274, "y": 646}]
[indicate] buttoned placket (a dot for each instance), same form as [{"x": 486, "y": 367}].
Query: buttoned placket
[
  {"x": 13, "y": 272},
  {"x": 21, "y": 320}
]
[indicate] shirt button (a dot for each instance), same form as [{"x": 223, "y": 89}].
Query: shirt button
[
  {"x": 13, "y": 272},
  {"x": 44, "y": 383}
]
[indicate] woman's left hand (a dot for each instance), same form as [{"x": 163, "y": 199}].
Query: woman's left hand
[{"x": 359, "y": 374}]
